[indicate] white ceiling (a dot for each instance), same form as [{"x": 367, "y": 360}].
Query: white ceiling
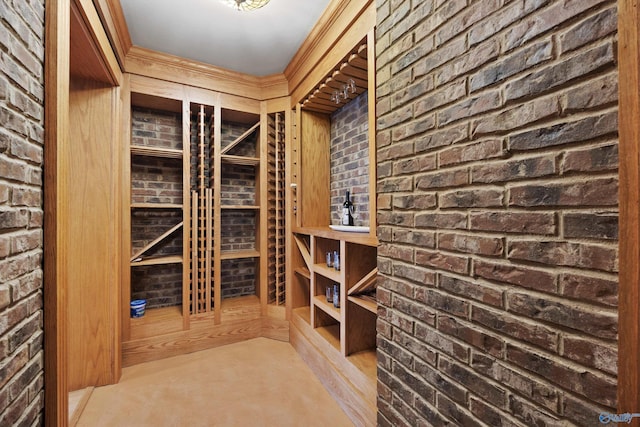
[{"x": 260, "y": 42}]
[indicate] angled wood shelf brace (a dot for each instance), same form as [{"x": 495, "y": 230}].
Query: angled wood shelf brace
[
  {"x": 368, "y": 282},
  {"x": 156, "y": 241},
  {"x": 239, "y": 139}
]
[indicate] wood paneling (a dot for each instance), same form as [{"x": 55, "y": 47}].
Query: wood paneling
[
  {"x": 629, "y": 154},
  {"x": 92, "y": 221},
  {"x": 313, "y": 191}
]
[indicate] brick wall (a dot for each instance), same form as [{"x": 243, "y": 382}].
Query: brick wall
[
  {"x": 497, "y": 211},
  {"x": 156, "y": 180},
  {"x": 21, "y": 216},
  {"x": 350, "y": 159},
  {"x": 238, "y": 228}
]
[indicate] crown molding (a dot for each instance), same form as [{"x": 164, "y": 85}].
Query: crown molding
[
  {"x": 173, "y": 68},
  {"x": 337, "y": 19}
]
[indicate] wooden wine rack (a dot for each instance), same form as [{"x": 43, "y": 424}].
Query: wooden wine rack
[
  {"x": 352, "y": 67},
  {"x": 276, "y": 208}
]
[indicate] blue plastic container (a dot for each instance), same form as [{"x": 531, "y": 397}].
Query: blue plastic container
[{"x": 137, "y": 307}]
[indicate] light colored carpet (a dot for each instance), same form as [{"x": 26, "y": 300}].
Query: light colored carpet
[{"x": 260, "y": 382}]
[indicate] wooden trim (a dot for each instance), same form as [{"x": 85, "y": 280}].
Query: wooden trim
[
  {"x": 159, "y": 88},
  {"x": 57, "y": 54},
  {"x": 217, "y": 213},
  {"x": 371, "y": 134},
  {"x": 99, "y": 36},
  {"x": 629, "y": 195},
  {"x": 262, "y": 242},
  {"x": 163, "y": 66},
  {"x": 318, "y": 57},
  {"x": 112, "y": 16}
]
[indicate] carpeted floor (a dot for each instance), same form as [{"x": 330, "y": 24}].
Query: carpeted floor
[{"x": 260, "y": 382}]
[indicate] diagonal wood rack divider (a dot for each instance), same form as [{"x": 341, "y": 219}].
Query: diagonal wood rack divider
[
  {"x": 239, "y": 139},
  {"x": 156, "y": 241},
  {"x": 366, "y": 283},
  {"x": 305, "y": 251},
  {"x": 353, "y": 66}
]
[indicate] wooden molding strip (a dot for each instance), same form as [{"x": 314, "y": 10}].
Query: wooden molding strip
[
  {"x": 112, "y": 15},
  {"x": 163, "y": 66},
  {"x": 629, "y": 276}
]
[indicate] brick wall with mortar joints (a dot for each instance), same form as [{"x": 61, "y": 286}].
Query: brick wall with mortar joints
[
  {"x": 350, "y": 159},
  {"x": 497, "y": 212},
  {"x": 237, "y": 277},
  {"x": 21, "y": 214},
  {"x": 156, "y": 180},
  {"x": 238, "y": 187},
  {"x": 160, "y": 285}
]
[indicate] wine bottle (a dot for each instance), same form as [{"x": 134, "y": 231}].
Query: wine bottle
[{"x": 347, "y": 209}]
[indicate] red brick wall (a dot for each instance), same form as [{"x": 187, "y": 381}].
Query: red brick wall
[
  {"x": 350, "y": 159},
  {"x": 156, "y": 180},
  {"x": 497, "y": 211},
  {"x": 21, "y": 215}
]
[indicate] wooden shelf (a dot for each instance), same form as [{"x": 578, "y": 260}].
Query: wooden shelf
[
  {"x": 365, "y": 303},
  {"x": 320, "y": 301},
  {"x": 170, "y": 153},
  {"x": 326, "y": 232},
  {"x": 331, "y": 333},
  {"x": 156, "y": 206},
  {"x": 172, "y": 259},
  {"x": 304, "y": 313},
  {"x": 240, "y": 254},
  {"x": 328, "y": 272},
  {"x": 239, "y": 207},
  {"x": 240, "y": 160}
]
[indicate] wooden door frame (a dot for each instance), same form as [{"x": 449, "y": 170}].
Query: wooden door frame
[
  {"x": 57, "y": 58},
  {"x": 57, "y": 72},
  {"x": 629, "y": 201}
]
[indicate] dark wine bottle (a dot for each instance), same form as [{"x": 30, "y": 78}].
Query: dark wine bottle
[{"x": 347, "y": 209}]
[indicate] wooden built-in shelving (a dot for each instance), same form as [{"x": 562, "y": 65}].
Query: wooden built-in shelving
[
  {"x": 158, "y": 260},
  {"x": 338, "y": 343},
  {"x": 156, "y": 152}
]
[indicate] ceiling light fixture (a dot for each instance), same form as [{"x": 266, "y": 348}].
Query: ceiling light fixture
[{"x": 245, "y": 5}]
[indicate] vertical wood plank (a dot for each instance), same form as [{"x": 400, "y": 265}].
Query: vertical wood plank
[
  {"x": 217, "y": 214},
  {"x": 57, "y": 45},
  {"x": 629, "y": 196},
  {"x": 92, "y": 223},
  {"x": 371, "y": 98},
  {"x": 262, "y": 230},
  {"x": 186, "y": 213},
  {"x": 126, "y": 211},
  {"x": 314, "y": 191}
]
